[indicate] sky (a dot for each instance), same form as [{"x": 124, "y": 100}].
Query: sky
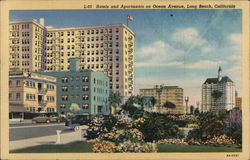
[{"x": 173, "y": 47}]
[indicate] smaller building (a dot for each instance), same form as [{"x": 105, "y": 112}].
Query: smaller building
[
  {"x": 170, "y": 94},
  {"x": 238, "y": 101},
  {"x": 235, "y": 117},
  {"x": 84, "y": 90},
  {"x": 31, "y": 92}
]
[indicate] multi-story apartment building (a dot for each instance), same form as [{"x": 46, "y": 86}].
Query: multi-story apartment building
[
  {"x": 32, "y": 92},
  {"x": 218, "y": 93},
  {"x": 106, "y": 48},
  {"x": 164, "y": 94},
  {"x": 27, "y": 45},
  {"x": 87, "y": 90}
]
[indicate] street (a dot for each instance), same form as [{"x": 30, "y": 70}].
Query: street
[{"x": 24, "y": 131}]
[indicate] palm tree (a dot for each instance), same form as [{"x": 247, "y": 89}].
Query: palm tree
[
  {"x": 153, "y": 101},
  {"x": 115, "y": 100}
]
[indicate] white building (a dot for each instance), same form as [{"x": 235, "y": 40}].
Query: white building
[
  {"x": 106, "y": 48},
  {"x": 218, "y": 93}
]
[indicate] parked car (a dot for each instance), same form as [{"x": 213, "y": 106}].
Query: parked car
[
  {"x": 76, "y": 121},
  {"x": 44, "y": 119}
]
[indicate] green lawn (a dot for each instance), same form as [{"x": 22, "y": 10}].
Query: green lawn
[
  {"x": 81, "y": 147},
  {"x": 75, "y": 147},
  {"x": 195, "y": 148}
]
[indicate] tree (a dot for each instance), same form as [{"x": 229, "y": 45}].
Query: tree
[
  {"x": 191, "y": 109},
  {"x": 115, "y": 100},
  {"x": 74, "y": 108},
  {"x": 216, "y": 94},
  {"x": 153, "y": 101},
  {"x": 169, "y": 105},
  {"x": 196, "y": 111}
]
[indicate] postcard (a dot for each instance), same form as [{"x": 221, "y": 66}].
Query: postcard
[{"x": 124, "y": 80}]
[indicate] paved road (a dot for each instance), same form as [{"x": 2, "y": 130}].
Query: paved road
[{"x": 18, "y": 132}]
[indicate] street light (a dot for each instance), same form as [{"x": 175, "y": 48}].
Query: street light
[
  {"x": 159, "y": 91},
  {"x": 186, "y": 100},
  {"x": 198, "y": 104}
]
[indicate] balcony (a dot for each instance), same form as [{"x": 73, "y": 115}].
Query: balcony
[
  {"x": 42, "y": 103},
  {"x": 42, "y": 91}
]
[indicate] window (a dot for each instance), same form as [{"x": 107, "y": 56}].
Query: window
[
  {"x": 10, "y": 83},
  {"x": 85, "y": 97},
  {"x": 65, "y": 88},
  {"x": 85, "y": 88},
  {"x": 99, "y": 109},
  {"x": 30, "y": 96},
  {"x": 50, "y": 98},
  {"x": 62, "y": 106},
  {"x": 30, "y": 84},
  {"x": 64, "y": 80},
  {"x": 10, "y": 96},
  {"x": 64, "y": 98},
  {"x": 50, "y": 87},
  {"x": 85, "y": 79},
  {"x": 85, "y": 106}
]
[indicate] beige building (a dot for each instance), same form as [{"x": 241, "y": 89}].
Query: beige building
[
  {"x": 164, "y": 94},
  {"x": 27, "y": 44},
  {"x": 107, "y": 48},
  {"x": 30, "y": 92}
]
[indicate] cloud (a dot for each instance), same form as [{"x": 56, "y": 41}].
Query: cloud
[
  {"x": 235, "y": 39},
  {"x": 204, "y": 64},
  {"x": 150, "y": 64},
  {"x": 157, "y": 53},
  {"x": 190, "y": 38}
]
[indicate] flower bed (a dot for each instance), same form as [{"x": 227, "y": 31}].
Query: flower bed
[
  {"x": 173, "y": 141},
  {"x": 106, "y": 147},
  {"x": 219, "y": 140}
]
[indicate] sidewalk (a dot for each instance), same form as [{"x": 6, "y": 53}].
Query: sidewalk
[
  {"x": 65, "y": 138},
  {"x": 25, "y": 121}
]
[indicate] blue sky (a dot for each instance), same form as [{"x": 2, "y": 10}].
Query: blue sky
[{"x": 183, "y": 49}]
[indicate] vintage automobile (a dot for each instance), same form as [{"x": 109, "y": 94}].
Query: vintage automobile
[
  {"x": 76, "y": 121},
  {"x": 44, "y": 119}
]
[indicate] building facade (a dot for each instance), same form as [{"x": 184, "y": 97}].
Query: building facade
[
  {"x": 238, "y": 101},
  {"x": 163, "y": 94},
  {"x": 218, "y": 93},
  {"x": 31, "y": 92},
  {"x": 84, "y": 89},
  {"x": 107, "y": 48},
  {"x": 27, "y": 45}
]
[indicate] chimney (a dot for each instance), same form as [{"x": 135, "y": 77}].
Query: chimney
[
  {"x": 74, "y": 64},
  {"x": 42, "y": 21}
]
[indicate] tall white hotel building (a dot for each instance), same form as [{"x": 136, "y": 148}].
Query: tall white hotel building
[
  {"x": 108, "y": 48},
  {"x": 225, "y": 86}
]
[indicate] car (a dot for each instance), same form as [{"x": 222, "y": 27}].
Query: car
[
  {"x": 76, "y": 121},
  {"x": 44, "y": 119}
]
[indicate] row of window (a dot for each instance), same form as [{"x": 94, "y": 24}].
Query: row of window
[
  {"x": 84, "y": 106},
  {"x": 18, "y": 83},
  {"x": 17, "y": 96},
  {"x": 88, "y": 32},
  {"x": 25, "y": 34},
  {"x": 72, "y": 40},
  {"x": 97, "y": 45},
  {"x": 93, "y": 52},
  {"x": 50, "y": 98},
  {"x": 84, "y": 97}
]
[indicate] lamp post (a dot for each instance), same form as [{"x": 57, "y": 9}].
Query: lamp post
[
  {"x": 159, "y": 91},
  {"x": 198, "y": 104},
  {"x": 186, "y": 100}
]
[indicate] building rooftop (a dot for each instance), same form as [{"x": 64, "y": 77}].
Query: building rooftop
[
  {"x": 216, "y": 80},
  {"x": 69, "y": 28}
]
